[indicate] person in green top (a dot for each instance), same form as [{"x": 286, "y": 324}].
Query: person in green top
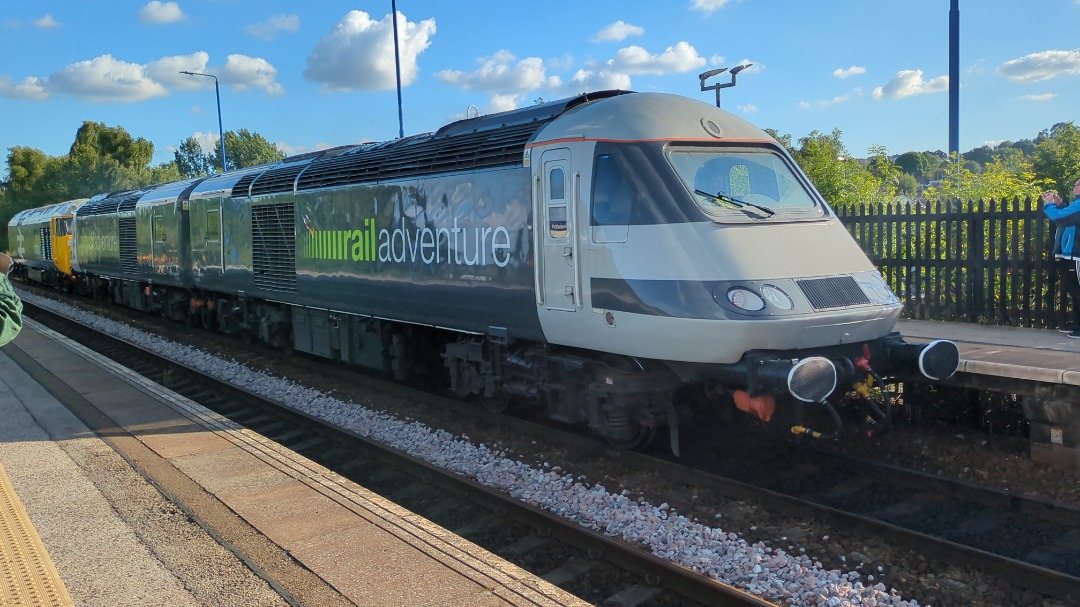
[{"x": 10, "y": 305}]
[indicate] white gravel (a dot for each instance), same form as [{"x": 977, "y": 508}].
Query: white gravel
[{"x": 772, "y": 573}]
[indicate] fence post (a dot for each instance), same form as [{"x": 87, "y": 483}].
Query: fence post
[{"x": 976, "y": 262}]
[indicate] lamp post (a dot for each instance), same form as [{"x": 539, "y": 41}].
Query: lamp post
[
  {"x": 709, "y": 74},
  {"x": 221, "y": 131}
]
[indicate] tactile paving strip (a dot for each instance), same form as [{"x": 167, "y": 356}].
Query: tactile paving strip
[{"x": 28, "y": 577}]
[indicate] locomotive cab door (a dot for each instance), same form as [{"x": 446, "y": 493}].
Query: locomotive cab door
[{"x": 559, "y": 269}]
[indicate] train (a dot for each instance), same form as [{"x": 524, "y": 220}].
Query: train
[{"x": 599, "y": 256}]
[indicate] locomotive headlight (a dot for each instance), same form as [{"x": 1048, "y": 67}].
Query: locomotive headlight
[
  {"x": 876, "y": 289},
  {"x": 745, "y": 299},
  {"x": 776, "y": 296}
]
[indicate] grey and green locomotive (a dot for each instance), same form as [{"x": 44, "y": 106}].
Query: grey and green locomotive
[{"x": 597, "y": 255}]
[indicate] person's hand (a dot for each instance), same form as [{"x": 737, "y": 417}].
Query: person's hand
[
  {"x": 1051, "y": 198},
  {"x": 5, "y": 263}
]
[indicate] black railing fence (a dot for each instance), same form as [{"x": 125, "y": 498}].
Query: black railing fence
[{"x": 982, "y": 262}]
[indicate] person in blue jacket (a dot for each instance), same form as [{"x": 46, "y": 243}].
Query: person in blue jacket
[{"x": 1066, "y": 248}]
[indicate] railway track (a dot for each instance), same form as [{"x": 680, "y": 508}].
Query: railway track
[{"x": 594, "y": 567}]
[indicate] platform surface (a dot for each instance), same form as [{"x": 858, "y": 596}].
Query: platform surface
[{"x": 367, "y": 548}]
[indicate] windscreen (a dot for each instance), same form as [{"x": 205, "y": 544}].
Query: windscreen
[{"x": 744, "y": 184}]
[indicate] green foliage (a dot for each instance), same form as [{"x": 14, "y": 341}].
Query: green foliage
[
  {"x": 923, "y": 166},
  {"x": 1057, "y": 156},
  {"x": 245, "y": 149},
  {"x": 842, "y": 180},
  {"x": 190, "y": 160},
  {"x": 95, "y": 141},
  {"x": 101, "y": 159},
  {"x": 997, "y": 181}
]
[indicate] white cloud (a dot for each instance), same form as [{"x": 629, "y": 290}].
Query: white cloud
[
  {"x": 822, "y": 103},
  {"x": 617, "y": 31},
  {"x": 30, "y": 88},
  {"x": 749, "y": 108},
  {"x": 105, "y": 79},
  {"x": 674, "y": 60},
  {"x": 265, "y": 30},
  {"x": 161, "y": 12},
  {"x": 242, "y": 72},
  {"x": 499, "y": 74},
  {"x": 1042, "y": 65},
  {"x": 167, "y": 70},
  {"x": 358, "y": 54},
  {"x": 716, "y": 60},
  {"x": 707, "y": 6},
  {"x": 910, "y": 82},
  {"x": 1042, "y": 97},
  {"x": 854, "y": 70},
  {"x": 47, "y": 21},
  {"x": 603, "y": 80}
]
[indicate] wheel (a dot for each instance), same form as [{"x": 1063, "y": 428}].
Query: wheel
[{"x": 639, "y": 436}]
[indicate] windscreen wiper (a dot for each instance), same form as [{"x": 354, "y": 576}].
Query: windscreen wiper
[{"x": 735, "y": 202}]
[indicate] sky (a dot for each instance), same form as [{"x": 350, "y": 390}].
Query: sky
[{"x": 321, "y": 73}]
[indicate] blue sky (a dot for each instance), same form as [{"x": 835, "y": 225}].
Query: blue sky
[{"x": 315, "y": 74}]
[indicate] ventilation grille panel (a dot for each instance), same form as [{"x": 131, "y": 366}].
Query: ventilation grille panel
[
  {"x": 46, "y": 243},
  {"x": 273, "y": 246},
  {"x": 833, "y": 292},
  {"x": 129, "y": 255}
]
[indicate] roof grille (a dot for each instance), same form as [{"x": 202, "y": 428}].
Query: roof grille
[
  {"x": 280, "y": 179},
  {"x": 833, "y": 292},
  {"x": 422, "y": 155},
  {"x": 273, "y": 246},
  {"x": 115, "y": 202},
  {"x": 129, "y": 256},
  {"x": 241, "y": 188}
]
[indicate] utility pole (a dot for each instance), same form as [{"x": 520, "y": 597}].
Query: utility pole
[
  {"x": 397, "y": 68},
  {"x": 954, "y": 80},
  {"x": 221, "y": 131}
]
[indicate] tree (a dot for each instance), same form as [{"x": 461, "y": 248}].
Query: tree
[
  {"x": 191, "y": 161},
  {"x": 996, "y": 182},
  {"x": 95, "y": 140},
  {"x": 924, "y": 166},
  {"x": 1057, "y": 156},
  {"x": 882, "y": 167},
  {"x": 244, "y": 149},
  {"x": 839, "y": 178}
]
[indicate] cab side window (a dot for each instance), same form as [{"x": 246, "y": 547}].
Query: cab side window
[{"x": 612, "y": 195}]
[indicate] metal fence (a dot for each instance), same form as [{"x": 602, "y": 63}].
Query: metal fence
[{"x": 982, "y": 262}]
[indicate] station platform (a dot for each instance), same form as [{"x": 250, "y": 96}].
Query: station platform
[
  {"x": 1042, "y": 355},
  {"x": 1040, "y": 365},
  {"x": 245, "y": 521}
]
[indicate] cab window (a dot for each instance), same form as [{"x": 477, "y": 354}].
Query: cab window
[{"x": 612, "y": 194}]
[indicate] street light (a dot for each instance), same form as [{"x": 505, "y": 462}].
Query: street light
[
  {"x": 221, "y": 131},
  {"x": 709, "y": 74}
]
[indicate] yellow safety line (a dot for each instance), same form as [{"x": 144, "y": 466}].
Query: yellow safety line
[{"x": 27, "y": 574}]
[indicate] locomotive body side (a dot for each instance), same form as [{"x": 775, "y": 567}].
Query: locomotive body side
[
  {"x": 449, "y": 251},
  {"x": 162, "y": 235}
]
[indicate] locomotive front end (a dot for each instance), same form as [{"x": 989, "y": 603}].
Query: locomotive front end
[{"x": 703, "y": 246}]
